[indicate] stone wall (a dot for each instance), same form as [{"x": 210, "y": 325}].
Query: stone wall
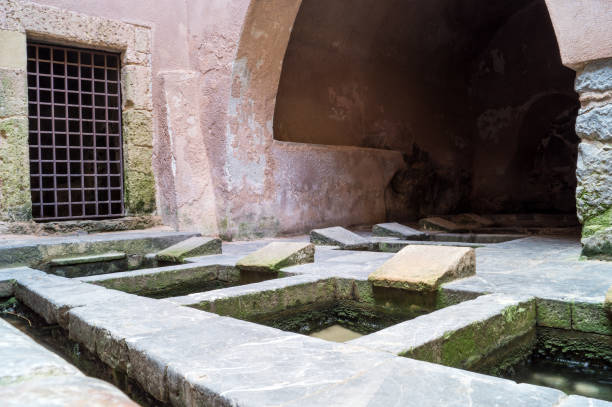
[
  {"x": 594, "y": 172},
  {"x": 21, "y": 20}
]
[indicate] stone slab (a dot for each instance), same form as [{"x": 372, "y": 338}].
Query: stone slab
[
  {"x": 233, "y": 362},
  {"x": 8, "y": 278},
  {"x": 160, "y": 278},
  {"x": 608, "y": 301},
  {"x": 425, "y": 267},
  {"x": 339, "y": 236},
  {"x": 407, "y": 382},
  {"x": 438, "y": 223},
  {"x": 93, "y": 258},
  {"x": 277, "y": 255},
  {"x": 104, "y": 328},
  {"x": 22, "y": 359},
  {"x": 398, "y": 230},
  {"x": 65, "y": 391},
  {"x": 51, "y": 296},
  {"x": 194, "y": 246},
  {"x": 489, "y": 322}
]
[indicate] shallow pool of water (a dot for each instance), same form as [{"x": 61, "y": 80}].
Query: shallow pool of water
[{"x": 336, "y": 333}]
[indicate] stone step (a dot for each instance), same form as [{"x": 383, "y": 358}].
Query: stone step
[
  {"x": 339, "y": 236},
  {"x": 194, "y": 246},
  {"x": 278, "y": 255},
  {"x": 395, "y": 229},
  {"x": 439, "y": 223},
  {"x": 425, "y": 268}
]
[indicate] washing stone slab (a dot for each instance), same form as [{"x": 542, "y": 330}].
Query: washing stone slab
[
  {"x": 439, "y": 223},
  {"x": 233, "y": 362},
  {"x": 425, "y": 268},
  {"x": 104, "y": 328},
  {"x": 339, "y": 236},
  {"x": 431, "y": 334},
  {"x": 277, "y": 255},
  {"x": 22, "y": 359},
  {"x": 194, "y": 246},
  {"x": 395, "y": 229},
  {"x": 63, "y": 391},
  {"x": 413, "y": 383},
  {"x": 93, "y": 258}
]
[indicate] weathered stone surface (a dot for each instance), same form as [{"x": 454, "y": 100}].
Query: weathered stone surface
[
  {"x": 8, "y": 279},
  {"x": 155, "y": 280},
  {"x": 591, "y": 317},
  {"x": 599, "y": 243},
  {"x": 407, "y": 382},
  {"x": 22, "y": 359},
  {"x": 438, "y": 223},
  {"x": 52, "y": 297},
  {"x": 398, "y": 230},
  {"x": 13, "y": 44},
  {"x": 339, "y": 236},
  {"x": 106, "y": 328},
  {"x": 608, "y": 302},
  {"x": 15, "y": 199},
  {"x": 596, "y": 76},
  {"x": 13, "y": 93},
  {"x": 67, "y": 391},
  {"x": 595, "y": 124},
  {"x": 80, "y": 226},
  {"x": 278, "y": 255},
  {"x": 459, "y": 335},
  {"x": 195, "y": 246},
  {"x": 554, "y": 314},
  {"x": 425, "y": 267}
]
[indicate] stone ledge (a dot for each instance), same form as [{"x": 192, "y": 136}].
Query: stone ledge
[
  {"x": 88, "y": 226},
  {"x": 339, "y": 236},
  {"x": 194, "y": 246},
  {"x": 398, "y": 230}
]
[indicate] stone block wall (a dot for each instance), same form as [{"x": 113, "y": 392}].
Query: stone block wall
[
  {"x": 21, "y": 20},
  {"x": 594, "y": 170}
]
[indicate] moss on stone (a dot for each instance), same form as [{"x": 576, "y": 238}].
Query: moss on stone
[
  {"x": 597, "y": 223},
  {"x": 15, "y": 199},
  {"x": 591, "y": 317},
  {"x": 554, "y": 314}
]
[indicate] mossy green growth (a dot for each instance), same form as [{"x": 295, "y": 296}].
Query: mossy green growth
[
  {"x": 597, "y": 223},
  {"x": 591, "y": 317},
  {"x": 554, "y": 314}
]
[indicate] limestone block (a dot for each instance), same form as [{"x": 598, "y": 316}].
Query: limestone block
[
  {"x": 94, "y": 258},
  {"x": 64, "y": 391},
  {"x": 599, "y": 243},
  {"x": 425, "y": 268},
  {"x": 138, "y": 128},
  {"x": 339, "y": 236},
  {"x": 594, "y": 189},
  {"x": 438, "y": 223},
  {"x": 136, "y": 87},
  {"x": 278, "y": 255},
  {"x": 595, "y": 124},
  {"x": 596, "y": 76},
  {"x": 581, "y": 401},
  {"x": 398, "y": 230},
  {"x": 195, "y": 246},
  {"x": 13, "y": 97},
  {"x": 13, "y": 46},
  {"x": 15, "y": 199}
]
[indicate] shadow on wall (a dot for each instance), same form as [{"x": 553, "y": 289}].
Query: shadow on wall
[{"x": 475, "y": 98}]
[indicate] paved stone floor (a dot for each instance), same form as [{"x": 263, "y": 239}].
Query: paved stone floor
[{"x": 185, "y": 356}]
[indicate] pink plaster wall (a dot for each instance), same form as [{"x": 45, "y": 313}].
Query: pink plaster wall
[{"x": 583, "y": 29}]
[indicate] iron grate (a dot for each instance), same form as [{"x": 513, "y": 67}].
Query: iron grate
[{"x": 74, "y": 110}]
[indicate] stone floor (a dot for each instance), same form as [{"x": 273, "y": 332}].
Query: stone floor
[{"x": 184, "y": 356}]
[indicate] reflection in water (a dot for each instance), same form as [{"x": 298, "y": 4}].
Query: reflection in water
[
  {"x": 571, "y": 378},
  {"x": 336, "y": 333}
]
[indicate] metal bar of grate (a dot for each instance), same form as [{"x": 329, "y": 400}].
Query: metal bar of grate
[{"x": 74, "y": 109}]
